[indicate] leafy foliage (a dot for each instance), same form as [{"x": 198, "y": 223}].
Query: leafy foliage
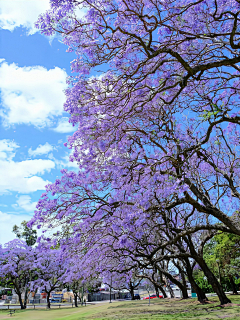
[{"x": 26, "y": 233}]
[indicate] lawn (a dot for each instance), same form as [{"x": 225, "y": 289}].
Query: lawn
[{"x": 167, "y": 309}]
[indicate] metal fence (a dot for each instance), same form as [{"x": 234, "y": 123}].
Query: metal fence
[
  {"x": 101, "y": 296},
  {"x": 36, "y": 306}
]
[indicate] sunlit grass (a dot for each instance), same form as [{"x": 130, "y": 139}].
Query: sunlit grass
[{"x": 162, "y": 309}]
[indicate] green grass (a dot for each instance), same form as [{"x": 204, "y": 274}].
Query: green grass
[{"x": 164, "y": 309}]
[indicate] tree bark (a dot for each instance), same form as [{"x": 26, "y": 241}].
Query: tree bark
[
  {"x": 158, "y": 287},
  {"x": 208, "y": 273},
  {"x": 156, "y": 290},
  {"x": 132, "y": 292},
  {"x": 202, "y": 298},
  {"x": 48, "y": 301},
  {"x": 213, "y": 281},
  {"x": 184, "y": 287},
  {"x": 234, "y": 288},
  {"x": 20, "y": 300},
  {"x": 25, "y": 298},
  {"x": 170, "y": 291},
  {"x": 184, "y": 292},
  {"x": 162, "y": 291},
  {"x": 17, "y": 289},
  {"x": 178, "y": 283},
  {"x": 75, "y": 300}
]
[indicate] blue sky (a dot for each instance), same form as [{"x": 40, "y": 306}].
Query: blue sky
[{"x": 34, "y": 126}]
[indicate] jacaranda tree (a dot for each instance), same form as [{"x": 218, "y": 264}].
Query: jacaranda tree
[
  {"x": 17, "y": 267},
  {"x": 50, "y": 269},
  {"x": 156, "y": 102}
]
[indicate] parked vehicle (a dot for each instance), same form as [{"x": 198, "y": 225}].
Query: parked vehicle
[
  {"x": 127, "y": 296},
  {"x": 137, "y": 296},
  {"x": 56, "y": 300},
  {"x": 152, "y": 296}
]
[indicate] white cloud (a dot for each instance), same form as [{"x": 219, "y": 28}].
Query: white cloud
[
  {"x": 64, "y": 162},
  {"x": 23, "y": 176},
  {"x": 80, "y": 12},
  {"x": 31, "y": 95},
  {"x": 7, "y": 149},
  {"x": 64, "y": 126},
  {"x": 25, "y": 203},
  {"x": 41, "y": 149},
  {"x": 16, "y": 13},
  {"x": 7, "y": 221}
]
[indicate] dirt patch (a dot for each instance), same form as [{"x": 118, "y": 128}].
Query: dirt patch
[{"x": 228, "y": 305}]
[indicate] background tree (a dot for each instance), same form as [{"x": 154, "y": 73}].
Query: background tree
[
  {"x": 26, "y": 233},
  {"x": 16, "y": 267},
  {"x": 222, "y": 254},
  {"x": 50, "y": 269}
]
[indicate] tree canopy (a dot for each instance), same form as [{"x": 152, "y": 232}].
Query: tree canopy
[
  {"x": 155, "y": 98},
  {"x": 26, "y": 233}
]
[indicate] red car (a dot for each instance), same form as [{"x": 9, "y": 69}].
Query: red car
[{"x": 152, "y": 296}]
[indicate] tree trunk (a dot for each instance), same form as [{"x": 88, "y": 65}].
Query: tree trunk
[
  {"x": 184, "y": 292},
  {"x": 158, "y": 287},
  {"x": 213, "y": 281},
  {"x": 75, "y": 300},
  {"x": 202, "y": 298},
  {"x": 163, "y": 292},
  {"x": 208, "y": 273},
  {"x": 48, "y": 300},
  {"x": 18, "y": 292},
  {"x": 172, "y": 295},
  {"x": 184, "y": 287},
  {"x": 157, "y": 291},
  {"x": 178, "y": 283},
  {"x": 83, "y": 294},
  {"x": 132, "y": 292},
  {"x": 234, "y": 288},
  {"x": 25, "y": 298},
  {"x": 20, "y": 300}
]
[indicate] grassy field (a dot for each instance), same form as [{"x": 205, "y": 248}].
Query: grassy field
[{"x": 167, "y": 309}]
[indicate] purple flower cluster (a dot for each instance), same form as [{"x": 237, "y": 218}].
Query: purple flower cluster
[{"x": 157, "y": 142}]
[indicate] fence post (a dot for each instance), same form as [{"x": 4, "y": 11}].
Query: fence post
[
  {"x": 34, "y": 306},
  {"x": 72, "y": 305},
  {"x": 59, "y": 306},
  {"x": 8, "y": 306}
]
